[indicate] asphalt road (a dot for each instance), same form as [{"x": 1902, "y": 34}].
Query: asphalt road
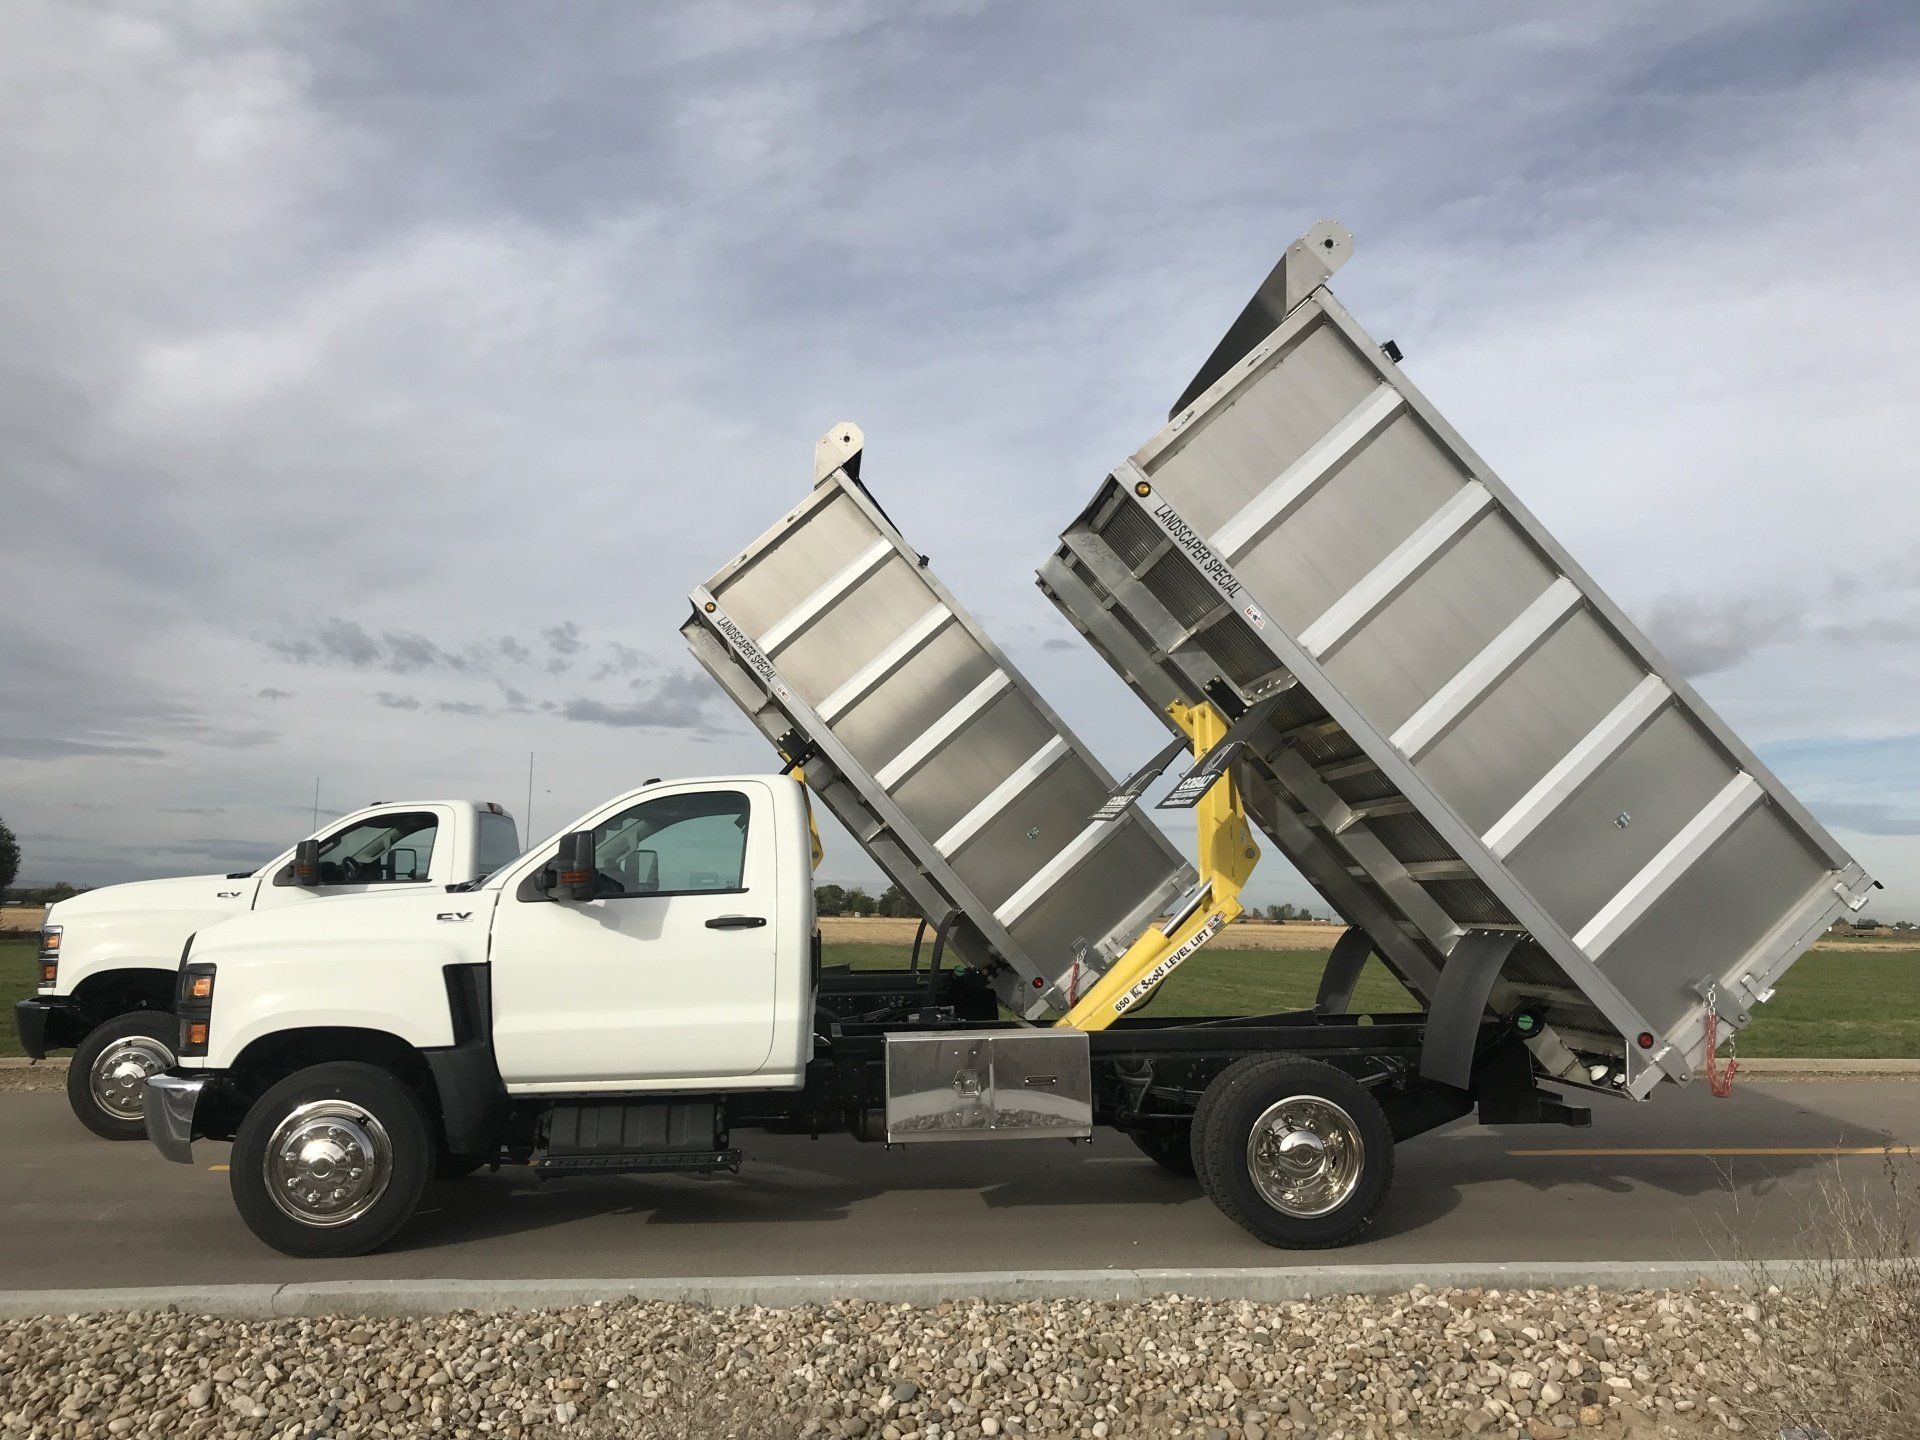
[{"x": 1686, "y": 1177}]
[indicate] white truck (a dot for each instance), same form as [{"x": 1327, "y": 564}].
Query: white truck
[
  {"x": 109, "y": 958},
  {"x": 1373, "y": 654}
]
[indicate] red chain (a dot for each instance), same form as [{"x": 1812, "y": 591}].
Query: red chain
[{"x": 1719, "y": 1078}]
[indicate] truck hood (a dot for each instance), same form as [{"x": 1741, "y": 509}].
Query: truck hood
[
  {"x": 440, "y": 918},
  {"x": 189, "y": 894},
  {"x": 142, "y": 925}
]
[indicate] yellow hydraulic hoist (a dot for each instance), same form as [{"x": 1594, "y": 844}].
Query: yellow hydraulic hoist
[{"x": 1227, "y": 857}]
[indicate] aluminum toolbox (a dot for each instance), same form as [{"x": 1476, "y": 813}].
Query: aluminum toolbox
[
  {"x": 932, "y": 750},
  {"x": 1472, "y": 753},
  {"x": 989, "y": 1085}
]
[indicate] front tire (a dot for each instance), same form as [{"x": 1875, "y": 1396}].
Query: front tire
[
  {"x": 107, "y": 1079},
  {"x": 332, "y": 1160},
  {"x": 1294, "y": 1151}
]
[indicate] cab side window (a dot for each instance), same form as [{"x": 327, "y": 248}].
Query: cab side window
[
  {"x": 384, "y": 850},
  {"x": 674, "y": 845}
]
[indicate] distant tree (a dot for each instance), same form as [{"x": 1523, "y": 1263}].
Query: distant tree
[
  {"x": 829, "y": 900},
  {"x": 860, "y": 903},
  {"x": 9, "y": 857},
  {"x": 894, "y": 902},
  {"x": 1281, "y": 914},
  {"x": 1866, "y": 924},
  {"x": 1903, "y": 924}
]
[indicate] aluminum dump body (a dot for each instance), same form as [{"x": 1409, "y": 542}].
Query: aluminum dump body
[
  {"x": 934, "y": 752},
  {"x": 1469, "y": 749}
]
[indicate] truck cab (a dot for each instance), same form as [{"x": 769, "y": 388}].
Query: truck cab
[
  {"x": 109, "y": 957},
  {"x": 661, "y": 950}
]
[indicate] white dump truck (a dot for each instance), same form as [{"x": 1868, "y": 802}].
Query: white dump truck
[
  {"x": 109, "y": 958},
  {"x": 1371, "y": 653}
]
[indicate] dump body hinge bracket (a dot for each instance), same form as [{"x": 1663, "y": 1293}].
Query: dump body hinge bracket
[
  {"x": 1208, "y": 769},
  {"x": 1460, "y": 1003}
]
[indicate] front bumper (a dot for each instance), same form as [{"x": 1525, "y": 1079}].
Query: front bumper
[
  {"x": 172, "y": 1101},
  {"x": 47, "y": 1022}
]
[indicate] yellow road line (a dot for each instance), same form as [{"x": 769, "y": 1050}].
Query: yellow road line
[
  {"x": 216, "y": 1167},
  {"x": 1740, "y": 1150}
]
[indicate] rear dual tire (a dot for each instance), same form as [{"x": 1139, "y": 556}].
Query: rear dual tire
[
  {"x": 332, "y": 1161},
  {"x": 1296, "y": 1152}
]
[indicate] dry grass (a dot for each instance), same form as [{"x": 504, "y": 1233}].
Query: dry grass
[
  {"x": 23, "y": 918},
  {"x": 1854, "y": 1310}
]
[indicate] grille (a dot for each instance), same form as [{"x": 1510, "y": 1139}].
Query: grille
[
  {"x": 1468, "y": 902},
  {"x": 1358, "y": 789},
  {"x": 1410, "y": 838},
  {"x": 1132, "y": 536},
  {"x": 1232, "y": 647},
  {"x": 1178, "y": 586}
]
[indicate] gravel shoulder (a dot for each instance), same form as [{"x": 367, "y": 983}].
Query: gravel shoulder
[{"x": 1542, "y": 1364}]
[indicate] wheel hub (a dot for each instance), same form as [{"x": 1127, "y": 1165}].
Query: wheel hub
[
  {"x": 1305, "y": 1155},
  {"x": 118, "y": 1081},
  {"x": 328, "y": 1163}
]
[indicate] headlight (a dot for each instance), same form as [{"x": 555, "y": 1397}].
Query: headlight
[
  {"x": 193, "y": 1001},
  {"x": 49, "y": 955}
]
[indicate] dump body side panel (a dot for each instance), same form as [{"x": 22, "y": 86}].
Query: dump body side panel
[
  {"x": 1468, "y": 729},
  {"x": 932, "y": 750}
]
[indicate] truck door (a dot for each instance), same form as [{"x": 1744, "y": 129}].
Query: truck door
[
  {"x": 374, "y": 850},
  {"x": 669, "y": 974}
]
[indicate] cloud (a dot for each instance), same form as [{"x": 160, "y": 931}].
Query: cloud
[
  {"x": 44, "y": 747},
  {"x": 623, "y": 660},
  {"x": 1871, "y": 817},
  {"x": 1701, "y": 635},
  {"x": 678, "y": 700},
  {"x": 369, "y": 317},
  {"x": 458, "y": 707},
  {"x": 270, "y": 692},
  {"x": 397, "y": 702},
  {"x": 337, "y": 641}
]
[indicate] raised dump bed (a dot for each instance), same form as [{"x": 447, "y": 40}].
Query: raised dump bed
[
  {"x": 844, "y": 648},
  {"x": 1476, "y": 757}
]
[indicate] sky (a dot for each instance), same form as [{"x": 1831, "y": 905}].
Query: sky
[{"x": 376, "y": 381}]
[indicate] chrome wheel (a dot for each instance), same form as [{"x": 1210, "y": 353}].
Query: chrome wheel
[
  {"x": 118, "y": 1079},
  {"x": 328, "y": 1162},
  {"x": 1305, "y": 1155}
]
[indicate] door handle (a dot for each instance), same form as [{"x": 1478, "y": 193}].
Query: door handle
[{"x": 736, "y": 922}]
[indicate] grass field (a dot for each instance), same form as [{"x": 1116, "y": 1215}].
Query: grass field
[{"x": 1832, "y": 1005}]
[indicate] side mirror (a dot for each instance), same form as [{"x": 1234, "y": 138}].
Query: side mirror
[
  {"x": 306, "y": 863},
  {"x": 575, "y": 866},
  {"x": 403, "y": 864}
]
